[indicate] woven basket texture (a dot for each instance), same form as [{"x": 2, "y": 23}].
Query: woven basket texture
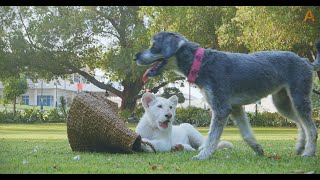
[{"x": 93, "y": 125}]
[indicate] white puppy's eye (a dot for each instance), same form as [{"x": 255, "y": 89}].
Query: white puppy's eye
[
  {"x": 170, "y": 107},
  {"x": 159, "y": 106}
]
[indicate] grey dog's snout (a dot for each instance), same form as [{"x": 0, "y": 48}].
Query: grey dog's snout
[{"x": 136, "y": 56}]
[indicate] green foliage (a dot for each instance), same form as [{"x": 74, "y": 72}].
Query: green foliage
[
  {"x": 125, "y": 114},
  {"x": 32, "y": 116},
  {"x": 198, "y": 24},
  {"x": 14, "y": 87},
  {"x": 63, "y": 105},
  {"x": 315, "y": 98},
  {"x": 170, "y": 91},
  {"x": 193, "y": 115},
  {"x": 55, "y": 116},
  {"x": 270, "y": 28},
  {"x": 202, "y": 118},
  {"x": 269, "y": 119}
]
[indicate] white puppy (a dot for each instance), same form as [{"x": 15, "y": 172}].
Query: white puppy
[{"x": 156, "y": 127}]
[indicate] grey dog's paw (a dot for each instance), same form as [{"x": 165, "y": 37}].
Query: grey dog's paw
[{"x": 204, "y": 154}]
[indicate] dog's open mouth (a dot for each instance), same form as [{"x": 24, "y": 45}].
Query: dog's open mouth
[
  {"x": 164, "y": 124},
  {"x": 154, "y": 69}
]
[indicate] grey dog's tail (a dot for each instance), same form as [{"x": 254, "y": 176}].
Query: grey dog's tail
[{"x": 316, "y": 63}]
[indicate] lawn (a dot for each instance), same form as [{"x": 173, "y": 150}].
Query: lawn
[{"x": 44, "y": 148}]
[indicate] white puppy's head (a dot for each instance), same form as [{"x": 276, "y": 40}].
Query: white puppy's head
[{"x": 160, "y": 111}]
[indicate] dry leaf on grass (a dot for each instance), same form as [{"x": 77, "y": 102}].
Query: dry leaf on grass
[{"x": 275, "y": 157}]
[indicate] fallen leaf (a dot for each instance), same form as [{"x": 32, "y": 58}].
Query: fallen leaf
[
  {"x": 275, "y": 157},
  {"x": 154, "y": 167},
  {"x": 76, "y": 157},
  {"x": 160, "y": 167},
  {"x": 55, "y": 165},
  {"x": 25, "y": 162}
]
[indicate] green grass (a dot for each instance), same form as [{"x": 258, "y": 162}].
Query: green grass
[{"x": 44, "y": 148}]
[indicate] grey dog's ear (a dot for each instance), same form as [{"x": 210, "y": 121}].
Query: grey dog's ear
[
  {"x": 148, "y": 99},
  {"x": 174, "y": 99},
  {"x": 173, "y": 45}
]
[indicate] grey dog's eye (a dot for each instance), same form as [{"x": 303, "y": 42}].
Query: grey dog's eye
[
  {"x": 170, "y": 107},
  {"x": 155, "y": 49},
  {"x": 159, "y": 106}
]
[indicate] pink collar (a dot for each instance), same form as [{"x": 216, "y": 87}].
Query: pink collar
[{"x": 197, "y": 61}]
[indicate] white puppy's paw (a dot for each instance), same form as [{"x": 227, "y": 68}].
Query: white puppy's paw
[
  {"x": 204, "y": 154},
  {"x": 145, "y": 147},
  {"x": 177, "y": 147}
]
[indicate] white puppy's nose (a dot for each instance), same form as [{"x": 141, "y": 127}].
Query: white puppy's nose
[{"x": 168, "y": 115}]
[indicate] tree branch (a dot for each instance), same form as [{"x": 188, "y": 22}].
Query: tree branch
[
  {"x": 156, "y": 89},
  {"x": 111, "y": 33},
  {"x": 94, "y": 80},
  {"x": 112, "y": 21},
  {"x": 28, "y": 35}
]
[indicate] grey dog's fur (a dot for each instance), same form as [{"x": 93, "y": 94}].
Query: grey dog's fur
[{"x": 230, "y": 80}]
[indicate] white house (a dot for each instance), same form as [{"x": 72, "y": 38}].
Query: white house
[{"x": 52, "y": 91}]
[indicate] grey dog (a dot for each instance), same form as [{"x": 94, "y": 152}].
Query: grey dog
[{"x": 230, "y": 80}]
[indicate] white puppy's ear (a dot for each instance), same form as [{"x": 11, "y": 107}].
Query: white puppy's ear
[
  {"x": 148, "y": 99},
  {"x": 174, "y": 99}
]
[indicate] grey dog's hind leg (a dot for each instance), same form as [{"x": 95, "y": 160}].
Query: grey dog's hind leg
[
  {"x": 302, "y": 105},
  {"x": 283, "y": 104},
  {"x": 238, "y": 114}
]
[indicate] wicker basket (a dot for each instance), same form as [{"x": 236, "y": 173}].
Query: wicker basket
[{"x": 92, "y": 125}]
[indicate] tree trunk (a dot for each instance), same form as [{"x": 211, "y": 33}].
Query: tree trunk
[
  {"x": 131, "y": 89},
  {"x": 14, "y": 106}
]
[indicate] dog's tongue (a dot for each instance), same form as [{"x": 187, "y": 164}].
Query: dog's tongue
[
  {"x": 164, "y": 124},
  {"x": 145, "y": 76}
]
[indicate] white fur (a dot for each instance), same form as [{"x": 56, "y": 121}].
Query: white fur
[{"x": 165, "y": 139}]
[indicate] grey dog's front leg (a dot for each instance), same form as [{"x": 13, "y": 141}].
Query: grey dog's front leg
[{"x": 218, "y": 121}]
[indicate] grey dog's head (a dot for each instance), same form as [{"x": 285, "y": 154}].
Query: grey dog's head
[{"x": 164, "y": 45}]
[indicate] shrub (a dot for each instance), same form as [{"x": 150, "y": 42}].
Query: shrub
[
  {"x": 55, "y": 116},
  {"x": 193, "y": 115},
  {"x": 125, "y": 114},
  {"x": 269, "y": 119},
  {"x": 32, "y": 116}
]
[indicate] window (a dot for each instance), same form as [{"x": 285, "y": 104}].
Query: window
[
  {"x": 77, "y": 78},
  {"x": 25, "y": 100},
  {"x": 46, "y": 100}
]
